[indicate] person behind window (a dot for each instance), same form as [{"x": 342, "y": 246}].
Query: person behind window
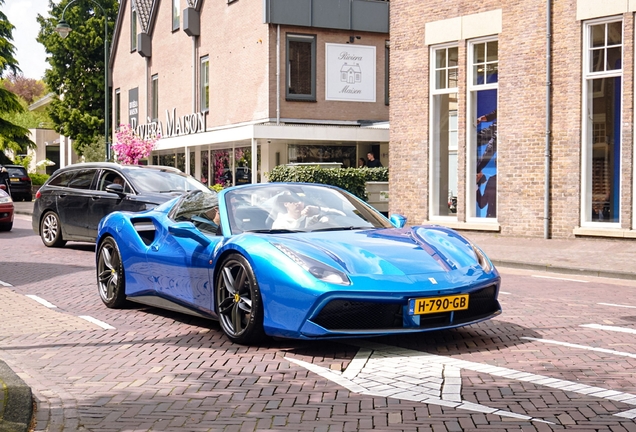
[
  {"x": 372, "y": 162},
  {"x": 362, "y": 163},
  {"x": 297, "y": 215},
  {"x": 118, "y": 180},
  {"x": 208, "y": 221}
]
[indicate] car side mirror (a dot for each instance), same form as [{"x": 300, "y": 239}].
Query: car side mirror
[
  {"x": 115, "y": 188},
  {"x": 398, "y": 220},
  {"x": 188, "y": 230}
]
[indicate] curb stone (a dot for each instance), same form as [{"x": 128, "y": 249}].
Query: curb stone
[{"x": 16, "y": 401}]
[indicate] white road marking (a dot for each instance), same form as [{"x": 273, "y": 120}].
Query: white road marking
[
  {"x": 41, "y": 301},
  {"x": 5, "y": 284},
  {"x": 102, "y": 324},
  {"x": 505, "y": 292},
  {"x": 388, "y": 371},
  {"x": 617, "y": 305},
  {"x": 585, "y": 347},
  {"x": 560, "y": 278},
  {"x": 609, "y": 328}
]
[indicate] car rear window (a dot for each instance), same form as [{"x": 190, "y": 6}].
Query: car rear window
[{"x": 17, "y": 172}]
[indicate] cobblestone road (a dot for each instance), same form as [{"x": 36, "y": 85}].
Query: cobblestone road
[{"x": 561, "y": 357}]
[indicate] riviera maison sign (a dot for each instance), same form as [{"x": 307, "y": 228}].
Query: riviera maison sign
[
  {"x": 350, "y": 73},
  {"x": 175, "y": 126}
]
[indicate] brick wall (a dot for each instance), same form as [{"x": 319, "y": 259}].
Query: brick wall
[{"x": 521, "y": 114}]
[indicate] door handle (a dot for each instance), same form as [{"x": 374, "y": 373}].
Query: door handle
[{"x": 154, "y": 247}]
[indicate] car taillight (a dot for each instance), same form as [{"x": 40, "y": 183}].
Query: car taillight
[
  {"x": 25, "y": 178},
  {"x": 38, "y": 194}
]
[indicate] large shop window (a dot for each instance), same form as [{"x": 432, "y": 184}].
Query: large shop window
[
  {"x": 205, "y": 84},
  {"x": 482, "y": 122},
  {"x": 444, "y": 99},
  {"x": 301, "y": 67},
  {"x": 602, "y": 121}
]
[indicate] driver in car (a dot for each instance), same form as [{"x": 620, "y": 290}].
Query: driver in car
[{"x": 297, "y": 215}]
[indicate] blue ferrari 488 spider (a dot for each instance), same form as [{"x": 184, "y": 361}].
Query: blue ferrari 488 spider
[{"x": 293, "y": 260}]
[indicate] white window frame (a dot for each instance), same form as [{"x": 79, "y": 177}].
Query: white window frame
[
  {"x": 433, "y": 190},
  {"x": 176, "y": 15},
  {"x": 312, "y": 40},
  {"x": 205, "y": 60},
  {"x": 471, "y": 132},
  {"x": 154, "y": 103},
  {"x": 133, "y": 27},
  {"x": 587, "y": 125}
]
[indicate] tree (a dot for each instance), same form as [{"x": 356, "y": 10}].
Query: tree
[
  {"x": 27, "y": 88},
  {"x": 95, "y": 151},
  {"x": 77, "y": 64},
  {"x": 12, "y": 136},
  {"x": 129, "y": 148},
  {"x": 28, "y": 119}
]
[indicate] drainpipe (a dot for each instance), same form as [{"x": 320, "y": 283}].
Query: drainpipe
[
  {"x": 194, "y": 75},
  {"x": 278, "y": 74},
  {"x": 548, "y": 119}
]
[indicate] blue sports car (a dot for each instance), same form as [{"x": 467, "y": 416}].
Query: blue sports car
[{"x": 293, "y": 260}]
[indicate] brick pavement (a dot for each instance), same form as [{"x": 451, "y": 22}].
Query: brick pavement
[{"x": 163, "y": 371}]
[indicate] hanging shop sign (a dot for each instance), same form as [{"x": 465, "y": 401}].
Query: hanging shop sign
[
  {"x": 133, "y": 106},
  {"x": 175, "y": 126},
  {"x": 350, "y": 73}
]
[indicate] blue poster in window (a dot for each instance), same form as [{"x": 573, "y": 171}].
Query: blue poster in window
[{"x": 486, "y": 147}]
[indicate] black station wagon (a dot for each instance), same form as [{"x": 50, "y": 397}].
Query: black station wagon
[{"x": 69, "y": 206}]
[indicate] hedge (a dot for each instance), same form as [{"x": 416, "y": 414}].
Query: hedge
[{"x": 349, "y": 179}]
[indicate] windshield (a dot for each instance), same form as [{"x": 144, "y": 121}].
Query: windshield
[
  {"x": 280, "y": 208},
  {"x": 154, "y": 180}
]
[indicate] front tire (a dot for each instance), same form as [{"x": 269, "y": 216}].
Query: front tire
[
  {"x": 51, "y": 230},
  {"x": 6, "y": 226},
  {"x": 110, "y": 274},
  {"x": 238, "y": 301}
]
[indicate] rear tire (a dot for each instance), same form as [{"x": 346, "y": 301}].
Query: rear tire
[
  {"x": 51, "y": 230},
  {"x": 110, "y": 274}
]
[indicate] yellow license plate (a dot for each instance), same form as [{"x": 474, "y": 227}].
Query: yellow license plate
[
  {"x": 15, "y": 179},
  {"x": 420, "y": 306}
]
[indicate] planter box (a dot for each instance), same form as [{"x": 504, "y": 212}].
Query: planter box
[{"x": 378, "y": 194}]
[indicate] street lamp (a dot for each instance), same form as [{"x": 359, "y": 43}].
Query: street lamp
[{"x": 63, "y": 29}]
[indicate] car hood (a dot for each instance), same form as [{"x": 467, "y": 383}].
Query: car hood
[{"x": 407, "y": 251}]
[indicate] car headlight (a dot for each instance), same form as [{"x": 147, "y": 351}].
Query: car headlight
[
  {"x": 6, "y": 199},
  {"x": 316, "y": 268},
  {"x": 482, "y": 259}
]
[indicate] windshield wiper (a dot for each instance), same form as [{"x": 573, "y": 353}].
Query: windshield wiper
[{"x": 343, "y": 228}]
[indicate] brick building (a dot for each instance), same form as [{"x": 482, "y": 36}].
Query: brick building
[
  {"x": 260, "y": 82},
  {"x": 521, "y": 113}
]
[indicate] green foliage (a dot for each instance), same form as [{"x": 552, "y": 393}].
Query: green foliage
[
  {"x": 24, "y": 161},
  {"x": 38, "y": 179},
  {"x": 78, "y": 67},
  {"x": 12, "y": 136},
  {"x": 349, "y": 179},
  {"x": 217, "y": 187},
  {"x": 95, "y": 151},
  {"x": 25, "y": 118}
]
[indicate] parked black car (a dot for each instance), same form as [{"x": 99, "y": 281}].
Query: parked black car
[
  {"x": 74, "y": 199},
  {"x": 19, "y": 183},
  {"x": 243, "y": 176}
]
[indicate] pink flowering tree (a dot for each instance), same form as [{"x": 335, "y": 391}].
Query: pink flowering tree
[{"x": 130, "y": 148}]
